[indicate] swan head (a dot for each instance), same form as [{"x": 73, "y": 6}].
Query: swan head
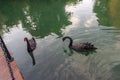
[
  {"x": 25, "y": 39},
  {"x": 63, "y": 39}
]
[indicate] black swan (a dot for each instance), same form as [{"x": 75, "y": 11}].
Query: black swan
[
  {"x": 31, "y": 44},
  {"x": 81, "y": 46}
]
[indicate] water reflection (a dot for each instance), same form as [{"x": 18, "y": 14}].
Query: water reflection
[
  {"x": 11, "y": 12},
  {"x": 108, "y": 12},
  {"x": 116, "y": 72},
  {"x": 46, "y": 18},
  {"x": 51, "y": 60},
  {"x": 70, "y": 52},
  {"x": 115, "y": 12},
  {"x": 33, "y": 58},
  {"x": 37, "y": 17}
]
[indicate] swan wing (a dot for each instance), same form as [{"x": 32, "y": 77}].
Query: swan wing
[{"x": 32, "y": 44}]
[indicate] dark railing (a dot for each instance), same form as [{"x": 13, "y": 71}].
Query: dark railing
[
  {"x": 7, "y": 56},
  {"x": 6, "y": 52}
]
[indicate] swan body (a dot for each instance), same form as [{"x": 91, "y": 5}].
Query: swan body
[
  {"x": 81, "y": 46},
  {"x": 31, "y": 44}
]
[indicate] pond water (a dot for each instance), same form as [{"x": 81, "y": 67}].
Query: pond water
[{"x": 95, "y": 21}]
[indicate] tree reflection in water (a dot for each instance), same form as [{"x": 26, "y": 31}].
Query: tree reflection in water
[
  {"x": 108, "y": 12},
  {"x": 40, "y": 18}
]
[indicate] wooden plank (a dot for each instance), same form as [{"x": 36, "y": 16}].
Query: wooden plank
[{"x": 4, "y": 69}]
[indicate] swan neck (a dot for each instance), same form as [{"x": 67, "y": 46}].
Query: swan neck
[
  {"x": 28, "y": 44},
  {"x": 71, "y": 42}
]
